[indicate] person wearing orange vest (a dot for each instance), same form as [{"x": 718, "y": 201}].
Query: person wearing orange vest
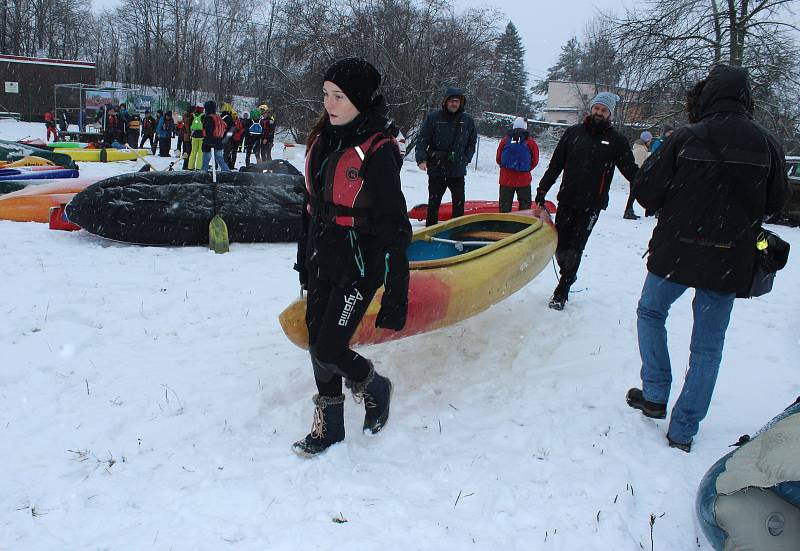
[{"x": 355, "y": 236}]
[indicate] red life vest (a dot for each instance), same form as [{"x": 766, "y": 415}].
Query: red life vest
[{"x": 342, "y": 181}]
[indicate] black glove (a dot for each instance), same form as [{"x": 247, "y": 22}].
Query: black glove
[
  {"x": 392, "y": 316},
  {"x": 303, "y": 273},
  {"x": 540, "y": 197}
]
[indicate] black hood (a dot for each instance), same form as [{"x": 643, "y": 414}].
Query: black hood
[{"x": 727, "y": 89}]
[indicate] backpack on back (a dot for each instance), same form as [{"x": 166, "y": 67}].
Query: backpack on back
[
  {"x": 516, "y": 154},
  {"x": 256, "y": 129},
  {"x": 219, "y": 127}
]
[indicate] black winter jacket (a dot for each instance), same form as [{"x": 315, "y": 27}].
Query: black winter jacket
[
  {"x": 711, "y": 208},
  {"x": 382, "y": 240},
  {"x": 437, "y": 134},
  {"x": 587, "y": 155}
]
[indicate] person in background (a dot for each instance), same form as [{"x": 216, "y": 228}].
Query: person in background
[
  {"x": 149, "y": 131},
  {"x": 713, "y": 182},
  {"x": 50, "y": 125},
  {"x": 213, "y": 132},
  {"x": 666, "y": 132},
  {"x": 164, "y": 131},
  {"x": 230, "y": 128},
  {"x": 133, "y": 131},
  {"x": 354, "y": 240},
  {"x": 587, "y": 154},
  {"x": 196, "y": 149},
  {"x": 444, "y": 149},
  {"x": 264, "y": 152},
  {"x": 641, "y": 150},
  {"x": 253, "y": 138},
  {"x": 185, "y": 136},
  {"x": 112, "y": 124},
  {"x": 517, "y": 156},
  {"x": 236, "y": 140}
]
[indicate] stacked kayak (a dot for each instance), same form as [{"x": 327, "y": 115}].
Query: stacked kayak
[
  {"x": 111, "y": 154},
  {"x": 175, "y": 208},
  {"x": 458, "y": 269},
  {"x": 420, "y": 212},
  {"x": 13, "y": 151},
  {"x": 33, "y": 203},
  {"x": 68, "y": 145},
  {"x": 35, "y": 173},
  {"x": 27, "y": 161}
]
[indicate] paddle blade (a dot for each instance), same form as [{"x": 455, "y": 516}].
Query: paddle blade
[{"x": 218, "y": 235}]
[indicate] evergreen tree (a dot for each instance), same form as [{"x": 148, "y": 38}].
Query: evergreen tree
[
  {"x": 511, "y": 84},
  {"x": 593, "y": 61}
]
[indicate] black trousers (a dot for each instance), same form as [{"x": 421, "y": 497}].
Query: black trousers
[
  {"x": 151, "y": 139},
  {"x": 187, "y": 150},
  {"x": 133, "y": 137},
  {"x": 263, "y": 151},
  {"x": 250, "y": 142},
  {"x": 437, "y": 185},
  {"x": 574, "y": 226},
  {"x": 507, "y": 197},
  {"x": 332, "y": 316},
  {"x": 163, "y": 146},
  {"x": 229, "y": 153}
]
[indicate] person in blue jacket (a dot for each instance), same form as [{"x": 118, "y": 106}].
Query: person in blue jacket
[
  {"x": 164, "y": 130},
  {"x": 445, "y": 147}
]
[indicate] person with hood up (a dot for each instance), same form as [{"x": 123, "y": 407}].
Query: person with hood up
[
  {"x": 712, "y": 183},
  {"x": 354, "y": 240},
  {"x": 214, "y": 129},
  {"x": 164, "y": 130},
  {"x": 587, "y": 154},
  {"x": 444, "y": 149},
  {"x": 517, "y": 156}
]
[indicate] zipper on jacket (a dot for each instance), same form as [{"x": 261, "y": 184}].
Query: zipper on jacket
[
  {"x": 359, "y": 258},
  {"x": 385, "y": 269}
]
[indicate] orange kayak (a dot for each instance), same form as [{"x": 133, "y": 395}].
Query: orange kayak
[{"x": 33, "y": 203}]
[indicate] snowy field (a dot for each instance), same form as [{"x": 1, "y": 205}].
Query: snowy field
[{"x": 148, "y": 400}]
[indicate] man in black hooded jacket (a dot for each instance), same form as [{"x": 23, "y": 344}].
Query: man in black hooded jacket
[
  {"x": 444, "y": 148},
  {"x": 712, "y": 183}
]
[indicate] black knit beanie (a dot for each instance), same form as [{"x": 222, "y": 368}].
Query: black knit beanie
[{"x": 357, "y": 78}]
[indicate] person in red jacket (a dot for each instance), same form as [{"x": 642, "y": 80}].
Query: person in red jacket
[
  {"x": 50, "y": 124},
  {"x": 517, "y": 156}
]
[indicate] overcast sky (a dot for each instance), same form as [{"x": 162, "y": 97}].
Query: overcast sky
[{"x": 544, "y": 25}]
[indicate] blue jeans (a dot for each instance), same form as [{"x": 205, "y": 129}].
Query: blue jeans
[
  {"x": 712, "y": 311},
  {"x": 218, "y": 156}
]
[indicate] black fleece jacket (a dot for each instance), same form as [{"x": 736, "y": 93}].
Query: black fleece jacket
[{"x": 587, "y": 155}]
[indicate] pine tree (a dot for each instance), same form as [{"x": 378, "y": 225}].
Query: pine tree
[{"x": 511, "y": 84}]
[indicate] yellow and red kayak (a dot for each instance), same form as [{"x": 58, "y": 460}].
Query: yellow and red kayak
[
  {"x": 33, "y": 203},
  {"x": 458, "y": 269}
]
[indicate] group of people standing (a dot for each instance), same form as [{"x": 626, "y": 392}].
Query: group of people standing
[
  {"x": 252, "y": 133},
  {"x": 710, "y": 182}
]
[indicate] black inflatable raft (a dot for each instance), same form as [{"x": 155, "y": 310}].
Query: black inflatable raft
[{"x": 174, "y": 208}]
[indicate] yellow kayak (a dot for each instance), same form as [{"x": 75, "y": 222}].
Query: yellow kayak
[
  {"x": 30, "y": 160},
  {"x": 458, "y": 269},
  {"x": 112, "y": 154}
]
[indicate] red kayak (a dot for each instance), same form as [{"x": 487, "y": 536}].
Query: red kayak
[{"x": 420, "y": 212}]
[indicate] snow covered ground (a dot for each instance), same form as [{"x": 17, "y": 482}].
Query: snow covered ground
[{"x": 148, "y": 400}]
